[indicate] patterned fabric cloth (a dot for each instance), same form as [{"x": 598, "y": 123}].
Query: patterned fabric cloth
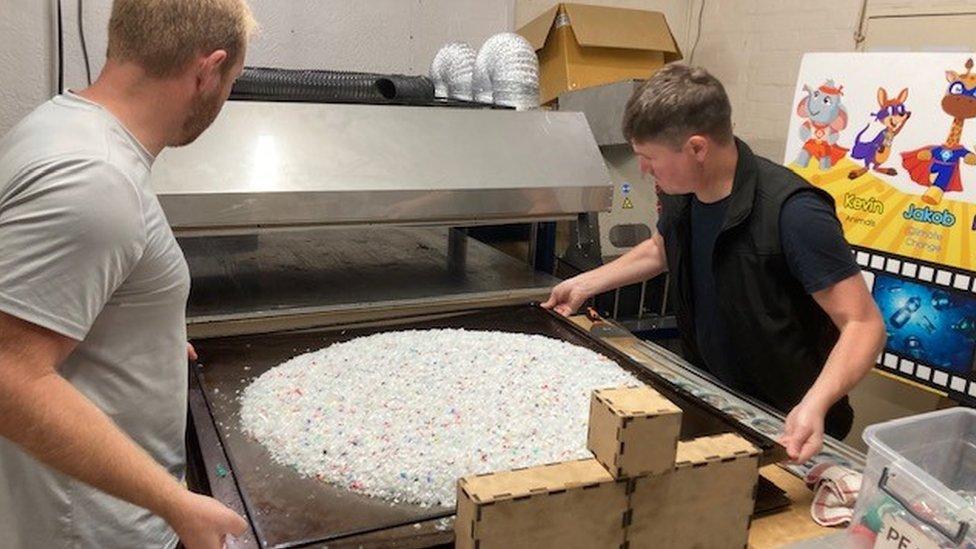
[{"x": 835, "y": 491}]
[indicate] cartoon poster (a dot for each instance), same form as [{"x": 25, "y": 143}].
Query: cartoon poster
[{"x": 891, "y": 136}]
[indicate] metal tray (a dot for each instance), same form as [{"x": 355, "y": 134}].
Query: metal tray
[{"x": 288, "y": 510}]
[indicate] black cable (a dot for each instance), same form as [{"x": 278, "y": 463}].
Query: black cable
[
  {"x": 60, "y": 52},
  {"x": 701, "y": 10},
  {"x": 81, "y": 35}
]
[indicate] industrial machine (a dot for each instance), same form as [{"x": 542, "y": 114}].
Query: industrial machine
[
  {"x": 306, "y": 224},
  {"x": 632, "y": 217}
]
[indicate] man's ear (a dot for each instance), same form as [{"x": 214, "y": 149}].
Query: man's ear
[
  {"x": 212, "y": 69},
  {"x": 699, "y": 146}
]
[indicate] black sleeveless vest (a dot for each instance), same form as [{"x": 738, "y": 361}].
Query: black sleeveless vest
[{"x": 780, "y": 335}]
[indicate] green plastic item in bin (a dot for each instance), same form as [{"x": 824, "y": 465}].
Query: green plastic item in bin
[{"x": 874, "y": 516}]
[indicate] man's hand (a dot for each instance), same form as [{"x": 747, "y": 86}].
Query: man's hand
[
  {"x": 567, "y": 297},
  {"x": 803, "y": 436},
  {"x": 646, "y": 260},
  {"x": 191, "y": 353},
  {"x": 202, "y": 522}
]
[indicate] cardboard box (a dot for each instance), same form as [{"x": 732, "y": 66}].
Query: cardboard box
[
  {"x": 706, "y": 501},
  {"x": 574, "y": 504},
  {"x": 581, "y": 46},
  {"x": 633, "y": 431}
]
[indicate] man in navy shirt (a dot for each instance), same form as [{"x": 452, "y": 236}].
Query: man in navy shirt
[{"x": 767, "y": 295}]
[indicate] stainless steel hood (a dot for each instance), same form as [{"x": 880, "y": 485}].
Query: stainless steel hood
[{"x": 269, "y": 165}]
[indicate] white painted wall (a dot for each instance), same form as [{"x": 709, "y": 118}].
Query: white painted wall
[
  {"x": 370, "y": 35},
  {"x": 754, "y": 47},
  {"x": 27, "y": 74}
]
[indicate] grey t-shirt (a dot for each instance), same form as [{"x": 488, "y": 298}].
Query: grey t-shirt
[{"x": 86, "y": 251}]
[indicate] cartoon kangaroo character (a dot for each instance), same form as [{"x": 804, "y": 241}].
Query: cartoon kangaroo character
[
  {"x": 826, "y": 117},
  {"x": 937, "y": 166},
  {"x": 893, "y": 115}
]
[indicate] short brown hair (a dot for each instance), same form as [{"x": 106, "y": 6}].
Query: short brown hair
[
  {"x": 163, "y": 36},
  {"x": 675, "y": 103}
]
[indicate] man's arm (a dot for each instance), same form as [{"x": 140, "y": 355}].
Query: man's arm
[
  {"x": 644, "y": 261},
  {"x": 47, "y": 417},
  {"x": 862, "y": 336}
]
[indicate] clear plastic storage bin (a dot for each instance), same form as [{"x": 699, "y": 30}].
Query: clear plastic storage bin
[{"x": 921, "y": 470}]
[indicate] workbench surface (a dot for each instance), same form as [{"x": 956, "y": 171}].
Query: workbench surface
[{"x": 791, "y": 524}]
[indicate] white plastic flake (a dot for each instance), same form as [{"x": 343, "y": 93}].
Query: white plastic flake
[{"x": 402, "y": 415}]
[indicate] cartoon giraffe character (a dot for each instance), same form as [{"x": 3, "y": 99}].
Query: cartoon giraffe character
[
  {"x": 893, "y": 115},
  {"x": 937, "y": 166},
  {"x": 825, "y": 118}
]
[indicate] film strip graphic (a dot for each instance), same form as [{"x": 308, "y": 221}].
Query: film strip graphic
[{"x": 958, "y": 380}]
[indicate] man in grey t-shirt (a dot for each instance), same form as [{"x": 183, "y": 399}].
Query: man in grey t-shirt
[{"x": 93, "y": 290}]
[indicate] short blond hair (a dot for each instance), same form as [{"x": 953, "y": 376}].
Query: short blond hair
[{"x": 163, "y": 36}]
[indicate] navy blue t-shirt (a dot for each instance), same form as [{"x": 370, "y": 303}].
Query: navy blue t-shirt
[
  {"x": 815, "y": 250},
  {"x": 713, "y": 339}
]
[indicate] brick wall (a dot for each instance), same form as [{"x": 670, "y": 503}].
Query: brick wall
[{"x": 755, "y": 47}]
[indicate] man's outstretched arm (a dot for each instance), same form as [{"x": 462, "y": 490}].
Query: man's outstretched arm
[
  {"x": 862, "y": 337},
  {"x": 644, "y": 261},
  {"x": 47, "y": 417}
]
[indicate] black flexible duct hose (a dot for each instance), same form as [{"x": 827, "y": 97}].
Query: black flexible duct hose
[{"x": 331, "y": 86}]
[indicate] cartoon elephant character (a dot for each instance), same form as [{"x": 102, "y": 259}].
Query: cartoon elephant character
[{"x": 825, "y": 117}]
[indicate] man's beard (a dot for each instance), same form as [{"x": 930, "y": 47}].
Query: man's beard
[{"x": 202, "y": 114}]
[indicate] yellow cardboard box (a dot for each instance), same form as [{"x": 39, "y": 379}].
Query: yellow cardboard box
[{"x": 580, "y": 46}]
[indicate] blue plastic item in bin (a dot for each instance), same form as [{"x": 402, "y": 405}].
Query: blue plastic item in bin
[{"x": 923, "y": 469}]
